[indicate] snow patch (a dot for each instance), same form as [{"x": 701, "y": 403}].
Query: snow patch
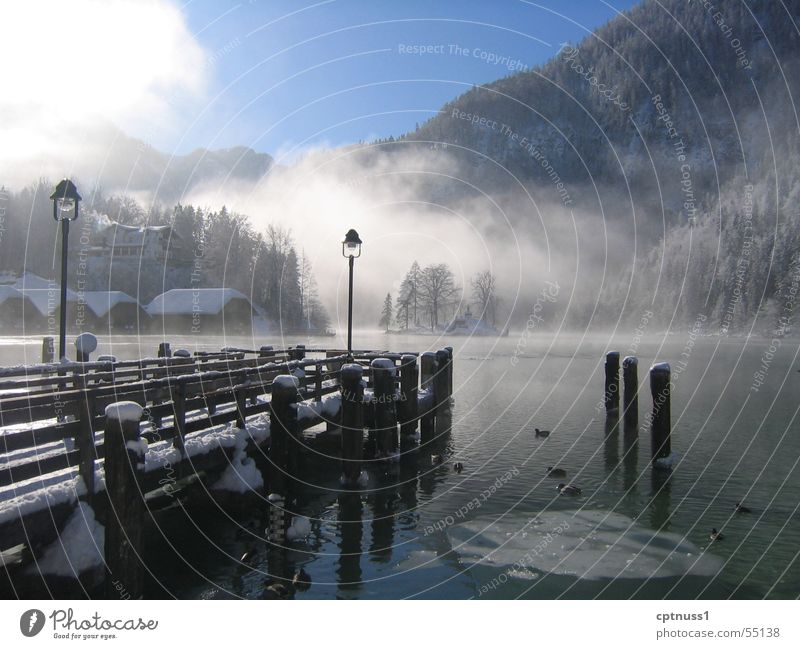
[
  {"x": 286, "y": 381},
  {"x": 124, "y": 411},
  {"x": 78, "y": 548},
  {"x": 299, "y": 529}
]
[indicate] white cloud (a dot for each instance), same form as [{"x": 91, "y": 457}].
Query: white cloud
[{"x": 68, "y": 66}]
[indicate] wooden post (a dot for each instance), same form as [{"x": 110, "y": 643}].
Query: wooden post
[
  {"x": 407, "y": 405},
  {"x": 383, "y": 374},
  {"x": 427, "y": 369},
  {"x": 124, "y": 467},
  {"x": 611, "y": 393},
  {"x": 86, "y": 441},
  {"x": 179, "y": 413},
  {"x": 427, "y": 423},
  {"x": 449, "y": 371},
  {"x": 630, "y": 385},
  {"x": 265, "y": 351},
  {"x": 164, "y": 350},
  {"x": 318, "y": 381},
  {"x": 352, "y": 423},
  {"x": 661, "y": 388},
  {"x": 240, "y": 396},
  {"x": 283, "y": 426},
  {"x": 48, "y": 350},
  {"x": 442, "y": 381}
]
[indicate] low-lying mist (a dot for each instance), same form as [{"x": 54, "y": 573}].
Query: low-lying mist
[{"x": 416, "y": 205}]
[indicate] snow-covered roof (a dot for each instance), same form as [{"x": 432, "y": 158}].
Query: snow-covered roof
[
  {"x": 30, "y": 280},
  {"x": 101, "y": 302},
  {"x": 185, "y": 301},
  {"x": 8, "y": 292},
  {"x": 47, "y": 300}
]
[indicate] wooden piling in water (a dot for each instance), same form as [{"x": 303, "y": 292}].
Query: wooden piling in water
[
  {"x": 427, "y": 422},
  {"x": 124, "y": 468},
  {"x": 283, "y": 430},
  {"x": 449, "y": 371},
  {"x": 661, "y": 389},
  {"x": 352, "y": 423},
  {"x": 442, "y": 381},
  {"x": 383, "y": 374},
  {"x": 407, "y": 404},
  {"x": 611, "y": 392},
  {"x": 630, "y": 386},
  {"x": 48, "y": 350},
  {"x": 164, "y": 350}
]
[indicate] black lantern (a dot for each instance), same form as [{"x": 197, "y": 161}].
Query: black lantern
[
  {"x": 66, "y": 200},
  {"x": 351, "y": 246}
]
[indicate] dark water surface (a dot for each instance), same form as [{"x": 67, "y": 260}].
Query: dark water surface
[{"x": 500, "y": 529}]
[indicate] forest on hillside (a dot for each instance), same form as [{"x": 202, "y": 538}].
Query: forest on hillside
[{"x": 214, "y": 248}]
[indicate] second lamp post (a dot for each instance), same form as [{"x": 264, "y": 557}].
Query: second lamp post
[{"x": 351, "y": 248}]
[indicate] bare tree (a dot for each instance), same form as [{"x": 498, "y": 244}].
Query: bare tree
[
  {"x": 484, "y": 285},
  {"x": 437, "y": 284}
]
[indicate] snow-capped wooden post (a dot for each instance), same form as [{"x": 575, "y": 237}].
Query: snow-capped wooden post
[
  {"x": 352, "y": 423},
  {"x": 48, "y": 350},
  {"x": 611, "y": 393},
  {"x": 661, "y": 389},
  {"x": 630, "y": 387},
  {"x": 124, "y": 467},
  {"x": 296, "y": 353},
  {"x": 283, "y": 427},
  {"x": 383, "y": 374},
  {"x": 442, "y": 381},
  {"x": 407, "y": 405},
  {"x": 427, "y": 422},
  {"x": 164, "y": 350}
]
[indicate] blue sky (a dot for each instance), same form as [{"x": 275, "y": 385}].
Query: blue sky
[{"x": 285, "y": 76}]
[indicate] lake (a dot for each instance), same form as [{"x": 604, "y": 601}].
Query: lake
[{"x": 500, "y": 529}]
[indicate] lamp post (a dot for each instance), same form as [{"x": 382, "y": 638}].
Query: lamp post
[
  {"x": 351, "y": 248},
  {"x": 65, "y": 209}
]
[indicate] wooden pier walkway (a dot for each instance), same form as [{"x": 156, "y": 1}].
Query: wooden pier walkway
[{"x": 115, "y": 434}]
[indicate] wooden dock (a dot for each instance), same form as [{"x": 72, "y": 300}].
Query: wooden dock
[{"x": 116, "y": 434}]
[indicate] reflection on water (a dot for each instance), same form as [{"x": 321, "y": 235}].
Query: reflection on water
[{"x": 420, "y": 529}]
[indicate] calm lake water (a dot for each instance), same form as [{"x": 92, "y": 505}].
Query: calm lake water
[{"x": 499, "y": 529}]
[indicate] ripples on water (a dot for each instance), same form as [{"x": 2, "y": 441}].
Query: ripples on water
[{"x": 632, "y": 533}]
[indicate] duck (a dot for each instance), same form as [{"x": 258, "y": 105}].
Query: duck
[
  {"x": 276, "y": 591},
  {"x": 555, "y": 472},
  {"x": 541, "y": 433},
  {"x": 436, "y": 459},
  {"x": 715, "y": 535},
  {"x": 568, "y": 489},
  {"x": 741, "y": 509},
  {"x": 301, "y": 580},
  {"x": 458, "y": 467}
]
